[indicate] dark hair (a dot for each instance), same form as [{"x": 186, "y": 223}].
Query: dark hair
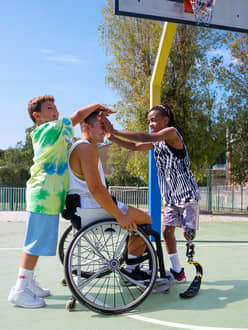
[
  {"x": 92, "y": 117},
  {"x": 34, "y": 105},
  {"x": 165, "y": 111}
]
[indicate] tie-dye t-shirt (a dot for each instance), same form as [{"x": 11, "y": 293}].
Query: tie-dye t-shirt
[{"x": 47, "y": 187}]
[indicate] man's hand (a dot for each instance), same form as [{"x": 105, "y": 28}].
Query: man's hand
[
  {"x": 127, "y": 223},
  {"x": 108, "y": 127}
]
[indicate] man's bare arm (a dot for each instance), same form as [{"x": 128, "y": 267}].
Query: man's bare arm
[{"x": 89, "y": 166}]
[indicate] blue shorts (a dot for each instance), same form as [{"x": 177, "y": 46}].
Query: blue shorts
[{"x": 41, "y": 234}]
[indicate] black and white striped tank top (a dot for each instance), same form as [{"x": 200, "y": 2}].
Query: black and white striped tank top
[{"x": 176, "y": 181}]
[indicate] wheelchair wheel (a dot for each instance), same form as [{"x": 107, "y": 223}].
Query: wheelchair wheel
[
  {"x": 100, "y": 250},
  {"x": 65, "y": 242}
]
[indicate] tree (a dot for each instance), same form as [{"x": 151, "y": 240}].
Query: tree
[
  {"x": 234, "y": 78},
  {"x": 15, "y": 163},
  {"x": 187, "y": 85},
  {"x": 238, "y": 148},
  {"x": 118, "y": 161}
]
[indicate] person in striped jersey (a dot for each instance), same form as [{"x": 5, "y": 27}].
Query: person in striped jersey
[{"x": 178, "y": 187}]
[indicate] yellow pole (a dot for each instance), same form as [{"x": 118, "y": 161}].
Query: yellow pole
[
  {"x": 161, "y": 61},
  {"x": 155, "y": 99}
]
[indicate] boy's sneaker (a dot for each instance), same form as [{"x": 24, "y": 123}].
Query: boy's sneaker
[
  {"x": 136, "y": 274},
  {"x": 25, "y": 298},
  {"x": 33, "y": 285},
  {"x": 178, "y": 277}
]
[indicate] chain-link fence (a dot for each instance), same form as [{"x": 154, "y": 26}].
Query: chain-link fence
[{"x": 216, "y": 199}]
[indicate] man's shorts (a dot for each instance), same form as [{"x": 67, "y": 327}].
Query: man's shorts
[
  {"x": 41, "y": 234},
  {"x": 90, "y": 215},
  {"x": 186, "y": 215}
]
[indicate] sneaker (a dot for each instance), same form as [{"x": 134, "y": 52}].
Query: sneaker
[
  {"x": 25, "y": 298},
  {"x": 178, "y": 277},
  {"x": 33, "y": 285},
  {"x": 136, "y": 274}
]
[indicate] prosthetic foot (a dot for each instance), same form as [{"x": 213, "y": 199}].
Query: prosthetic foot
[{"x": 194, "y": 287}]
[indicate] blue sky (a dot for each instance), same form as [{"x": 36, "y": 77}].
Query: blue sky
[{"x": 49, "y": 47}]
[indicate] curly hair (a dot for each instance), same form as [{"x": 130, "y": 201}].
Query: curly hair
[{"x": 166, "y": 111}]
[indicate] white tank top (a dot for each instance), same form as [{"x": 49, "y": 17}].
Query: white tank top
[{"x": 80, "y": 187}]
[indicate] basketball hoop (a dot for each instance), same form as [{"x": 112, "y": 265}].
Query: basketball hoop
[{"x": 203, "y": 11}]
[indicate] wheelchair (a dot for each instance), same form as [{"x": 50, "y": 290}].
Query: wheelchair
[{"x": 95, "y": 257}]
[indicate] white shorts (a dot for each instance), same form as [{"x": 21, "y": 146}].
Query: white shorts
[
  {"x": 90, "y": 215},
  {"x": 186, "y": 215}
]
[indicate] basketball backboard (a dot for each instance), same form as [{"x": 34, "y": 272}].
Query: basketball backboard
[{"x": 227, "y": 14}]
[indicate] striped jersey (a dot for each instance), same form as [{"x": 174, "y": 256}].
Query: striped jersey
[{"x": 176, "y": 181}]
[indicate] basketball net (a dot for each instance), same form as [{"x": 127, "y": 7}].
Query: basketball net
[{"x": 203, "y": 11}]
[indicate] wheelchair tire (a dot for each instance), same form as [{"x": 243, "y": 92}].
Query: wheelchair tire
[
  {"x": 64, "y": 242},
  {"x": 99, "y": 250}
]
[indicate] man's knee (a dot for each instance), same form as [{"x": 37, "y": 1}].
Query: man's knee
[
  {"x": 139, "y": 216},
  {"x": 149, "y": 219}
]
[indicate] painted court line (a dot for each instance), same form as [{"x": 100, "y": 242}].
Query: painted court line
[
  {"x": 4, "y": 249},
  {"x": 178, "y": 325},
  {"x": 180, "y": 244},
  {"x": 166, "y": 323}
]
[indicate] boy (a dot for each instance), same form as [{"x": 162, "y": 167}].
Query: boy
[{"x": 46, "y": 191}]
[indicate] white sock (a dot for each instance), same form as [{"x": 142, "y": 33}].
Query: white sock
[
  {"x": 131, "y": 267},
  {"x": 175, "y": 263},
  {"x": 24, "y": 276}
]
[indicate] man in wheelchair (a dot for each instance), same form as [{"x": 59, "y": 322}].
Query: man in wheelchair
[{"x": 88, "y": 195}]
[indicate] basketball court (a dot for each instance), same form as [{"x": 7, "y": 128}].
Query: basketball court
[
  {"x": 221, "y": 246},
  {"x": 222, "y": 303}
]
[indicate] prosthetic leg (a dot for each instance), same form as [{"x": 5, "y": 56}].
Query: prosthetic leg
[{"x": 193, "y": 289}]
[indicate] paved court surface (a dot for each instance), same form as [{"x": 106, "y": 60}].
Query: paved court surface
[{"x": 221, "y": 247}]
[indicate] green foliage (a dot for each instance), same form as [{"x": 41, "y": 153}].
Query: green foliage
[
  {"x": 15, "y": 163},
  {"x": 238, "y": 148},
  {"x": 120, "y": 175},
  {"x": 188, "y": 84},
  {"x": 234, "y": 78}
]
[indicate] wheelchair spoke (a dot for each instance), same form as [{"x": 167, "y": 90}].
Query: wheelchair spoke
[
  {"x": 102, "y": 270},
  {"x": 121, "y": 244},
  {"x": 97, "y": 252},
  {"x": 131, "y": 280}
]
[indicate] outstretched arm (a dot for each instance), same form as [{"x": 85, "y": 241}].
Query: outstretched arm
[
  {"x": 125, "y": 144},
  {"x": 81, "y": 114},
  {"x": 131, "y": 145},
  {"x": 168, "y": 134}
]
